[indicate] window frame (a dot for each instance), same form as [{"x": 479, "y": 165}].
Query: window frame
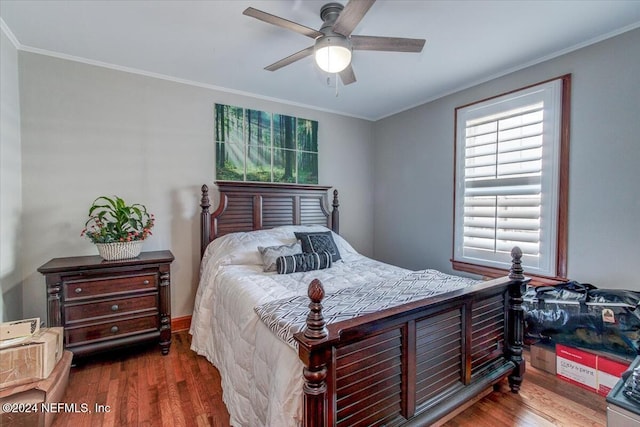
[{"x": 562, "y": 191}]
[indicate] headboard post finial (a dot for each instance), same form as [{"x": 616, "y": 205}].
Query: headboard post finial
[
  {"x": 335, "y": 214},
  {"x": 205, "y": 219},
  {"x": 205, "y": 204}
]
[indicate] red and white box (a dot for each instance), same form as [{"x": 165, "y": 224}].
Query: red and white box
[
  {"x": 609, "y": 373},
  {"x": 595, "y": 372},
  {"x": 577, "y": 367}
]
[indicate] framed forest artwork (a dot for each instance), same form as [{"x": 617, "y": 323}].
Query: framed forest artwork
[{"x": 254, "y": 145}]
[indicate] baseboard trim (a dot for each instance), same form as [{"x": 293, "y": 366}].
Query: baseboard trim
[{"x": 180, "y": 323}]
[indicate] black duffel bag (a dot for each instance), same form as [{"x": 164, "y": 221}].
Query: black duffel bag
[{"x": 581, "y": 315}]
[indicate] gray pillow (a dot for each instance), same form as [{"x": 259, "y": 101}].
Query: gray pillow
[{"x": 271, "y": 253}]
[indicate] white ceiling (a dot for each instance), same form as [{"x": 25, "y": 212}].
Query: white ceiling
[{"x": 211, "y": 43}]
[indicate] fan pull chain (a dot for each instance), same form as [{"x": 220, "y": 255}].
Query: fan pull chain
[{"x": 329, "y": 83}]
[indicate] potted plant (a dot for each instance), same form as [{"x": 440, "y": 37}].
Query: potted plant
[{"x": 117, "y": 229}]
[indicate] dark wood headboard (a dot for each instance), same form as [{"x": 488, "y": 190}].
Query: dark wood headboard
[{"x": 248, "y": 206}]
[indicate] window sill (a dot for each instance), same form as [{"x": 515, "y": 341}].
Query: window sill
[{"x": 492, "y": 273}]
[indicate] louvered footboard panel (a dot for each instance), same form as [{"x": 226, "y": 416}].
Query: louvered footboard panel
[
  {"x": 488, "y": 329},
  {"x": 438, "y": 354},
  {"x": 369, "y": 380}
]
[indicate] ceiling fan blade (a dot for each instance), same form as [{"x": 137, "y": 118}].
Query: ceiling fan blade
[
  {"x": 351, "y": 15},
  {"x": 390, "y": 44},
  {"x": 290, "y": 59},
  {"x": 347, "y": 75},
  {"x": 281, "y": 22}
]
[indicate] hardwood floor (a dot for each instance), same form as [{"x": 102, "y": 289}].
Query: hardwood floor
[{"x": 144, "y": 388}]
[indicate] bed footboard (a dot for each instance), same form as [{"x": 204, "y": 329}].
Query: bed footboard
[{"x": 413, "y": 364}]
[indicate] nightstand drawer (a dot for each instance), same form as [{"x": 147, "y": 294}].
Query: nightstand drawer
[
  {"x": 109, "y": 330},
  {"x": 105, "y": 286},
  {"x": 82, "y": 312}
]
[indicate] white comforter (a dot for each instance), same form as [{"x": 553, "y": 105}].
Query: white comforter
[{"x": 261, "y": 375}]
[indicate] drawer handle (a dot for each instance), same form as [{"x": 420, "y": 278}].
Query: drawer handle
[
  {"x": 114, "y": 307},
  {"x": 78, "y": 290},
  {"x": 146, "y": 282},
  {"x": 114, "y": 329}
]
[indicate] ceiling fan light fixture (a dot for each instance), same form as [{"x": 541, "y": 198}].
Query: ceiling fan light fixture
[{"x": 333, "y": 53}]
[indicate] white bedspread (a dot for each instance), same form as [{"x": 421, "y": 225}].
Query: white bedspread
[{"x": 261, "y": 375}]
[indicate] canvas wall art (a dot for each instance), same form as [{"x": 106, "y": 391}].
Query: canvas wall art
[{"x": 254, "y": 145}]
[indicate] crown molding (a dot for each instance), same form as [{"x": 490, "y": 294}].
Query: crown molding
[
  {"x": 528, "y": 64},
  {"x": 7, "y": 32},
  {"x": 179, "y": 80}
]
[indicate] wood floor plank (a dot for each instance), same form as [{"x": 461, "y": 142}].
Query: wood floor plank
[
  {"x": 166, "y": 416},
  {"x": 113, "y": 396},
  {"x": 144, "y": 413},
  {"x": 144, "y": 388}
]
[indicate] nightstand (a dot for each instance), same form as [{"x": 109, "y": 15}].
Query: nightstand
[{"x": 105, "y": 305}]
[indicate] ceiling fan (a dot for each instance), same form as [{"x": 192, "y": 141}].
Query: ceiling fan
[{"x": 333, "y": 41}]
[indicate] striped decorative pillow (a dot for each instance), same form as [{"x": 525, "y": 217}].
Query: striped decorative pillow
[{"x": 303, "y": 262}]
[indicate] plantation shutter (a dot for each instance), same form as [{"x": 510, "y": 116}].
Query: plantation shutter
[
  {"x": 506, "y": 180},
  {"x": 503, "y": 164}
]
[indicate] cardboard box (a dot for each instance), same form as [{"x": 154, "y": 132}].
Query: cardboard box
[
  {"x": 48, "y": 391},
  {"x": 577, "y": 367},
  {"x": 543, "y": 357},
  {"x": 18, "y": 329},
  {"x": 33, "y": 359},
  {"x": 593, "y": 371}
]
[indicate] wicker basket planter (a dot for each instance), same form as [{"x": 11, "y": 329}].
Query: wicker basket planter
[{"x": 119, "y": 250}]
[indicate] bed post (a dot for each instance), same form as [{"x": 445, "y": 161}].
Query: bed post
[
  {"x": 205, "y": 219},
  {"x": 515, "y": 320},
  {"x": 335, "y": 214},
  {"x": 315, "y": 371}
]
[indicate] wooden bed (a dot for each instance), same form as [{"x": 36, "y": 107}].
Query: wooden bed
[{"x": 429, "y": 357}]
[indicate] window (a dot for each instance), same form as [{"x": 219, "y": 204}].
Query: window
[{"x": 510, "y": 181}]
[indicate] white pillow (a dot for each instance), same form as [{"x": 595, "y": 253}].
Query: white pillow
[{"x": 271, "y": 253}]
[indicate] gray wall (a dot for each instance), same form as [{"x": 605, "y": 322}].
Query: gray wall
[
  {"x": 10, "y": 184},
  {"x": 413, "y": 185},
  {"x": 89, "y": 131}
]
